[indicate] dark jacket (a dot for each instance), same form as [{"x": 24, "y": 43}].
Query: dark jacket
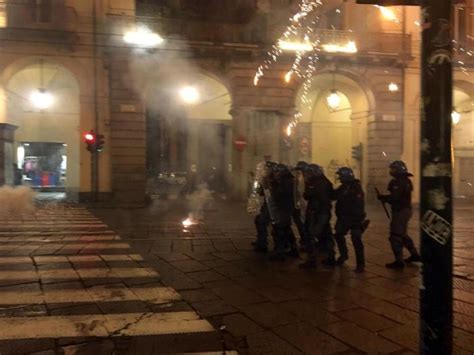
[
  {"x": 400, "y": 189},
  {"x": 283, "y": 198},
  {"x": 318, "y": 193},
  {"x": 350, "y": 202}
]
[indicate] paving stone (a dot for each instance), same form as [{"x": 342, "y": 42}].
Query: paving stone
[
  {"x": 277, "y": 294},
  {"x": 172, "y": 256},
  {"x": 228, "y": 256},
  {"x": 201, "y": 256},
  {"x": 310, "y": 340},
  {"x": 204, "y": 249},
  {"x": 360, "y": 338},
  {"x": 240, "y": 325},
  {"x": 269, "y": 343},
  {"x": 464, "y": 339},
  {"x": 189, "y": 265},
  {"x": 213, "y": 308},
  {"x": 206, "y": 276},
  {"x": 464, "y": 322},
  {"x": 198, "y": 295},
  {"x": 237, "y": 295},
  {"x": 268, "y": 314},
  {"x": 309, "y": 312},
  {"x": 403, "y": 335},
  {"x": 367, "y": 320}
]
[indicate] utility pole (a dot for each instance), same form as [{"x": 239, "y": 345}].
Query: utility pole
[
  {"x": 95, "y": 154},
  {"x": 436, "y": 207}
]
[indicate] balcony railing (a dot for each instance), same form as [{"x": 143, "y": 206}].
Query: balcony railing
[{"x": 58, "y": 18}]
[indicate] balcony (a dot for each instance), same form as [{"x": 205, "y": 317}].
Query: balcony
[
  {"x": 369, "y": 44},
  {"x": 56, "y": 25}
]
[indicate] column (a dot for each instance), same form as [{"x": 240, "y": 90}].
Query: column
[{"x": 7, "y": 154}]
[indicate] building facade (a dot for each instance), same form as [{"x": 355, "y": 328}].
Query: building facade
[{"x": 190, "y": 105}]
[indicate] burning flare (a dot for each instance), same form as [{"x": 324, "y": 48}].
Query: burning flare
[{"x": 188, "y": 222}]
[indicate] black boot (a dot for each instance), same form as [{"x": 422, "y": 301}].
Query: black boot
[
  {"x": 415, "y": 258},
  {"x": 395, "y": 265}
]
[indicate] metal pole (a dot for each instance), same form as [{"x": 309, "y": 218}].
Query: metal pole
[
  {"x": 95, "y": 154},
  {"x": 436, "y": 212}
]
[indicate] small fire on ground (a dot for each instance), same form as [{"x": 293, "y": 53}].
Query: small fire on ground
[{"x": 188, "y": 222}]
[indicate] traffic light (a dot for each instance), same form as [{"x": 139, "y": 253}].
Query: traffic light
[
  {"x": 100, "y": 142},
  {"x": 90, "y": 139},
  {"x": 390, "y": 2},
  {"x": 357, "y": 152}
]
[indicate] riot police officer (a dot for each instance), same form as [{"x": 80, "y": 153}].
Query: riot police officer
[
  {"x": 350, "y": 212},
  {"x": 263, "y": 219},
  {"x": 299, "y": 202},
  {"x": 400, "y": 188},
  {"x": 318, "y": 192},
  {"x": 282, "y": 194}
]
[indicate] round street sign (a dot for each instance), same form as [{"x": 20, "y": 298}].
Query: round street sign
[{"x": 240, "y": 143}]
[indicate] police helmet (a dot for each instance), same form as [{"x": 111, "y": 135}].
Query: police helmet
[
  {"x": 398, "y": 168},
  {"x": 314, "y": 170},
  {"x": 301, "y": 165},
  {"x": 345, "y": 174},
  {"x": 281, "y": 168}
]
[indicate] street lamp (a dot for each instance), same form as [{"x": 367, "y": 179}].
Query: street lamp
[
  {"x": 143, "y": 37},
  {"x": 334, "y": 100},
  {"x": 455, "y": 117},
  {"x": 41, "y": 98},
  {"x": 393, "y": 87},
  {"x": 189, "y": 95}
]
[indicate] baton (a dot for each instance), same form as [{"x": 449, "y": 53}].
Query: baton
[{"x": 383, "y": 203}]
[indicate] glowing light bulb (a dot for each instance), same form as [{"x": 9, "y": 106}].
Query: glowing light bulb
[
  {"x": 288, "y": 130},
  {"x": 41, "y": 99},
  {"x": 334, "y": 100},
  {"x": 455, "y": 117},
  {"x": 288, "y": 76},
  {"x": 392, "y": 87},
  {"x": 387, "y": 13},
  {"x": 143, "y": 37},
  {"x": 189, "y": 95}
]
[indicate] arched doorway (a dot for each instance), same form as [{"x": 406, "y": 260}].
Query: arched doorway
[
  {"x": 463, "y": 140},
  {"x": 189, "y": 136},
  {"x": 43, "y": 102},
  {"x": 338, "y": 124}
]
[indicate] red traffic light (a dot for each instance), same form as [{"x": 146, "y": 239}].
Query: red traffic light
[{"x": 89, "y": 137}]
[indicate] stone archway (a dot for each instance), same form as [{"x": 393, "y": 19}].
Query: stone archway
[
  {"x": 189, "y": 132},
  {"x": 47, "y": 141},
  {"x": 463, "y": 142},
  {"x": 335, "y": 130}
]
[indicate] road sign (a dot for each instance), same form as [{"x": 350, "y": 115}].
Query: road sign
[{"x": 240, "y": 143}]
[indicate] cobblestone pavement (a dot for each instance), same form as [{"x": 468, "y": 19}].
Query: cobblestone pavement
[
  {"x": 70, "y": 285},
  {"x": 275, "y": 308}
]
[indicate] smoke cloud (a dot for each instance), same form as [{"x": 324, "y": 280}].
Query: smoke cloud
[{"x": 16, "y": 201}]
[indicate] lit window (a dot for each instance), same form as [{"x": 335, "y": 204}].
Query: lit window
[{"x": 3, "y": 15}]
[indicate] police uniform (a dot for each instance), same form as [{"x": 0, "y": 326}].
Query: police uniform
[
  {"x": 318, "y": 193},
  {"x": 282, "y": 192},
  {"x": 262, "y": 221},
  {"x": 400, "y": 188},
  {"x": 350, "y": 212}
]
